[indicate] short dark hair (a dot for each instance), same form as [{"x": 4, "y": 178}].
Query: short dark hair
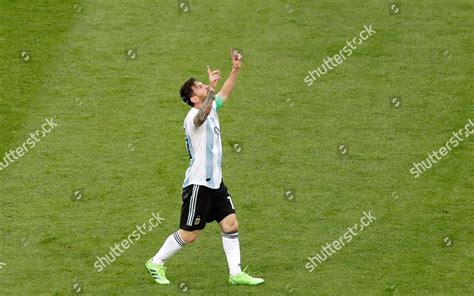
[{"x": 186, "y": 91}]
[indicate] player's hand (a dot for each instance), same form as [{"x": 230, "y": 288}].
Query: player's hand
[
  {"x": 236, "y": 59},
  {"x": 214, "y": 77}
]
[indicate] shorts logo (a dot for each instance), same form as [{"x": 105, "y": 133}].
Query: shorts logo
[{"x": 197, "y": 220}]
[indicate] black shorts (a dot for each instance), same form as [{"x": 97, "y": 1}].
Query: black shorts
[{"x": 202, "y": 204}]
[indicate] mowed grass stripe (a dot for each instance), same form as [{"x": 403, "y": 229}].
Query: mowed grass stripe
[{"x": 30, "y": 29}]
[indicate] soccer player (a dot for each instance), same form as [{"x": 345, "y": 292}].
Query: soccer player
[{"x": 205, "y": 197}]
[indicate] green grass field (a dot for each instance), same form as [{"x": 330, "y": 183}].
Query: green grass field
[{"x": 120, "y": 141}]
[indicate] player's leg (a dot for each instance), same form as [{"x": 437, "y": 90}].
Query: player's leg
[
  {"x": 155, "y": 265},
  {"x": 229, "y": 224},
  {"x": 194, "y": 201},
  {"x": 224, "y": 211},
  {"x": 174, "y": 243},
  {"x": 193, "y": 219},
  {"x": 189, "y": 236},
  {"x": 230, "y": 242}
]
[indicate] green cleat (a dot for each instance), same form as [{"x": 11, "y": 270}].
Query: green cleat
[
  {"x": 244, "y": 279},
  {"x": 158, "y": 272}
]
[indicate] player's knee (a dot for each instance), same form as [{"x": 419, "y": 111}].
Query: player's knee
[
  {"x": 232, "y": 226},
  {"x": 189, "y": 236},
  {"x": 236, "y": 226},
  {"x": 193, "y": 236}
]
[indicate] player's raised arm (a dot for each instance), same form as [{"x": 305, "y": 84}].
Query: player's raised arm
[
  {"x": 229, "y": 84},
  {"x": 206, "y": 106}
]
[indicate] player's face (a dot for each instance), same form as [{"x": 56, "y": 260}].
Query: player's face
[{"x": 200, "y": 90}]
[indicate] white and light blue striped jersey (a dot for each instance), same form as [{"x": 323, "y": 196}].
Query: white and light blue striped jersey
[{"x": 204, "y": 148}]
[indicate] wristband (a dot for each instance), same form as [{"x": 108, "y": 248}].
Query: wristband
[{"x": 219, "y": 103}]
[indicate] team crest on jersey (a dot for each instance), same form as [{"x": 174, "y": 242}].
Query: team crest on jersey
[
  {"x": 197, "y": 220},
  {"x": 217, "y": 131}
]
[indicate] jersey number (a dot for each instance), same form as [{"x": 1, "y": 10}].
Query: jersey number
[{"x": 187, "y": 148}]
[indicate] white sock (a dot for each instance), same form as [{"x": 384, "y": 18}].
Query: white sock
[
  {"x": 172, "y": 245},
  {"x": 230, "y": 241}
]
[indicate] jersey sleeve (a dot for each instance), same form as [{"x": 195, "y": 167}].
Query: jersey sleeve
[{"x": 189, "y": 121}]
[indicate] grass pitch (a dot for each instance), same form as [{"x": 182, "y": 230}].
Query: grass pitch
[{"x": 120, "y": 142}]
